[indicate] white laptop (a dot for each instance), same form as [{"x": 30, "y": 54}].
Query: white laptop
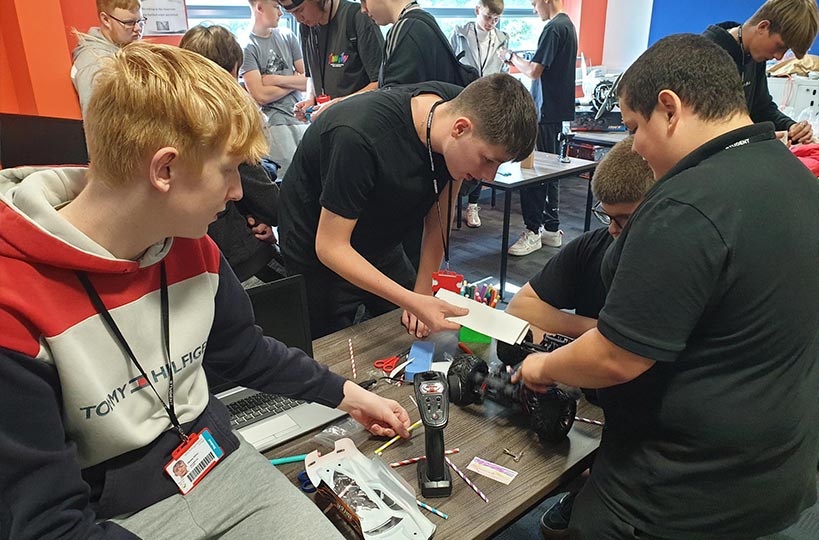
[{"x": 266, "y": 421}]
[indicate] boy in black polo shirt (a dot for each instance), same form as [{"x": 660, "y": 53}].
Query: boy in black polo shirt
[
  {"x": 705, "y": 351},
  {"x": 369, "y": 169},
  {"x": 552, "y": 70}
]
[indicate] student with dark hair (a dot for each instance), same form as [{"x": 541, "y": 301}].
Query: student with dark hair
[
  {"x": 244, "y": 230},
  {"x": 702, "y": 347},
  {"x": 552, "y": 70},
  {"x": 416, "y": 51},
  {"x": 373, "y": 166},
  {"x": 342, "y": 51},
  {"x": 777, "y": 26}
]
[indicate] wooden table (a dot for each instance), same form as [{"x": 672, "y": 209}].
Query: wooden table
[
  {"x": 478, "y": 430},
  {"x": 511, "y": 177}
]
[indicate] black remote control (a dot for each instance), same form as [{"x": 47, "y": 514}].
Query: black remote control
[{"x": 432, "y": 394}]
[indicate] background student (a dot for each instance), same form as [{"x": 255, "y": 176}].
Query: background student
[
  {"x": 477, "y": 44},
  {"x": 342, "y": 51},
  {"x": 244, "y": 230},
  {"x": 340, "y": 225},
  {"x": 702, "y": 348},
  {"x": 121, "y": 23},
  {"x": 571, "y": 279},
  {"x": 552, "y": 70},
  {"x": 777, "y": 26},
  {"x": 116, "y": 382},
  {"x": 273, "y": 72}
]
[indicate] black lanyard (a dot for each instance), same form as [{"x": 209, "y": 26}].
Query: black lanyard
[
  {"x": 488, "y": 48},
  {"x": 742, "y": 49},
  {"x": 94, "y": 296},
  {"x": 444, "y": 235},
  {"x": 324, "y": 59},
  {"x": 408, "y": 7}
]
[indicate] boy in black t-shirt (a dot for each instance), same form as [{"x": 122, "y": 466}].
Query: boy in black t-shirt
[
  {"x": 373, "y": 166},
  {"x": 342, "y": 51},
  {"x": 552, "y": 70},
  {"x": 705, "y": 351}
]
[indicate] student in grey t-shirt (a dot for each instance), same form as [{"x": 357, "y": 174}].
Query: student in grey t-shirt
[{"x": 273, "y": 71}]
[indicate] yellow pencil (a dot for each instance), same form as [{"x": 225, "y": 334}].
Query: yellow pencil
[{"x": 380, "y": 449}]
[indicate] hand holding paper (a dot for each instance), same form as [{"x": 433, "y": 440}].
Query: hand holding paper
[{"x": 482, "y": 318}]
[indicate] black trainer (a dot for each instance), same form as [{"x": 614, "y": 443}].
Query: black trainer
[{"x": 554, "y": 523}]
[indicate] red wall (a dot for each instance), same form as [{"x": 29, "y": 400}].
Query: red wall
[{"x": 36, "y": 40}]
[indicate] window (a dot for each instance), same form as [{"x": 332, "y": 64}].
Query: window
[{"x": 518, "y": 20}]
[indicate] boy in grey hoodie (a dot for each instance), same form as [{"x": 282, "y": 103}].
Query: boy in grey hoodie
[{"x": 121, "y": 23}]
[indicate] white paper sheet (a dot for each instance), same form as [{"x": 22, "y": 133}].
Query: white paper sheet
[{"x": 486, "y": 320}]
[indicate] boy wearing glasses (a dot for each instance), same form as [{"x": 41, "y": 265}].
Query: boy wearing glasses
[
  {"x": 571, "y": 279},
  {"x": 121, "y": 23},
  {"x": 477, "y": 43}
]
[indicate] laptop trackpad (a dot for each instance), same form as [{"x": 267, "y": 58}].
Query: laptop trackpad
[{"x": 269, "y": 427}]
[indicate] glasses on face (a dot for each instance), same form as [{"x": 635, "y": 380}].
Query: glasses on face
[
  {"x": 605, "y": 218},
  {"x": 130, "y": 24}
]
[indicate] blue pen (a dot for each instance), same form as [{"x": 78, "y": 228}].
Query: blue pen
[
  {"x": 308, "y": 111},
  {"x": 289, "y": 459}
]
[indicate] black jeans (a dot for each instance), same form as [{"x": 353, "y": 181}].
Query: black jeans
[
  {"x": 334, "y": 303},
  {"x": 539, "y": 204}
]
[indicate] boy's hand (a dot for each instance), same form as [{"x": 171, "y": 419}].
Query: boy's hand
[
  {"x": 801, "y": 133},
  {"x": 262, "y": 231},
  {"x": 530, "y": 372},
  {"x": 430, "y": 315},
  {"x": 301, "y": 107},
  {"x": 381, "y": 416}
]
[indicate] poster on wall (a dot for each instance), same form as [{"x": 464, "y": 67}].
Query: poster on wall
[{"x": 165, "y": 17}]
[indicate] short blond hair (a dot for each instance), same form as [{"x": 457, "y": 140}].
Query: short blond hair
[
  {"x": 622, "y": 176},
  {"x": 795, "y": 20},
  {"x": 107, "y": 6},
  {"x": 149, "y": 96},
  {"x": 495, "y": 7}
]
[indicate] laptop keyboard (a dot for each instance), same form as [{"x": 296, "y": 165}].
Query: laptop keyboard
[{"x": 258, "y": 406}]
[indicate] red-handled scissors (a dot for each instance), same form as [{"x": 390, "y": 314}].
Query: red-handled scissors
[{"x": 389, "y": 364}]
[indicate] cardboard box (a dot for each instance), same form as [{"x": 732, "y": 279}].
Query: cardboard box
[{"x": 584, "y": 120}]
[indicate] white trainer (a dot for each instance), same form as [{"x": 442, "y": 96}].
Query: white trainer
[
  {"x": 551, "y": 238},
  {"x": 473, "y": 220},
  {"x": 528, "y": 242}
]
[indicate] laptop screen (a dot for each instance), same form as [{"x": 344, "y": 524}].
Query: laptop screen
[{"x": 280, "y": 309}]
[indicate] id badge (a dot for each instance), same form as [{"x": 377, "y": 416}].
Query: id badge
[
  {"x": 323, "y": 98},
  {"x": 447, "y": 279},
  {"x": 193, "y": 460}
]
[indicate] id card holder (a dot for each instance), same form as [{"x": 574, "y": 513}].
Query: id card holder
[
  {"x": 191, "y": 461},
  {"x": 321, "y": 99},
  {"x": 447, "y": 279}
]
